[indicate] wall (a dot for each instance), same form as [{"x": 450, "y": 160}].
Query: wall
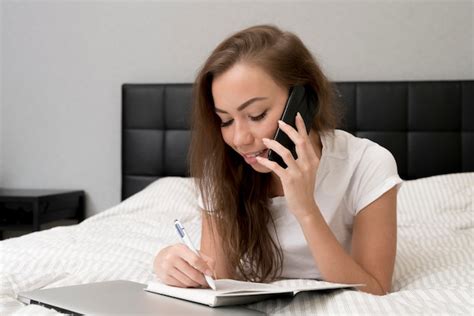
[{"x": 64, "y": 63}]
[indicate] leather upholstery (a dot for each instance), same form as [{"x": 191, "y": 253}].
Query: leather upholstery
[{"x": 427, "y": 125}]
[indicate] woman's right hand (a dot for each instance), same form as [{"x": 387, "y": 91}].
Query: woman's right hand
[{"x": 177, "y": 265}]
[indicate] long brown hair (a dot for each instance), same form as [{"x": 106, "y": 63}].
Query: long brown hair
[{"x": 235, "y": 194}]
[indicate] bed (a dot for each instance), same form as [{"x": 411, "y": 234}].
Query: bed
[{"x": 428, "y": 126}]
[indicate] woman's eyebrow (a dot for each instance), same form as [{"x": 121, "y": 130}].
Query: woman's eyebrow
[{"x": 244, "y": 105}]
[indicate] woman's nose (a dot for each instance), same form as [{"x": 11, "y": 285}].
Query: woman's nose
[{"x": 242, "y": 135}]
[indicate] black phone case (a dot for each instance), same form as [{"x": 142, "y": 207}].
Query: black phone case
[{"x": 299, "y": 100}]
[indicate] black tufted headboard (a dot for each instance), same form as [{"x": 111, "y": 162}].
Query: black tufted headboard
[{"x": 427, "y": 125}]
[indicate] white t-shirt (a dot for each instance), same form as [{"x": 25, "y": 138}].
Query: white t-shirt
[{"x": 353, "y": 172}]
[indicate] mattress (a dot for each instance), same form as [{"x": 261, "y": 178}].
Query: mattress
[{"x": 433, "y": 271}]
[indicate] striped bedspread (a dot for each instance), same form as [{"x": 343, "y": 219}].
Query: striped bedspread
[{"x": 433, "y": 274}]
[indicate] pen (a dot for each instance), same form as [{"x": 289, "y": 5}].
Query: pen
[{"x": 185, "y": 239}]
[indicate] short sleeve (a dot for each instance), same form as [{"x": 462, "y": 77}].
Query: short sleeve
[{"x": 375, "y": 174}]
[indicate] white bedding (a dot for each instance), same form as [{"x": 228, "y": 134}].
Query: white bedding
[{"x": 433, "y": 274}]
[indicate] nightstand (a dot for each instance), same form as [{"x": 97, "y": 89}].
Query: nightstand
[{"x": 22, "y": 209}]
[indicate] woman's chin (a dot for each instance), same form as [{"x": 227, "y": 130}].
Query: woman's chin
[{"x": 259, "y": 168}]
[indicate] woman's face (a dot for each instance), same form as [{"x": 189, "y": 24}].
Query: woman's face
[{"x": 249, "y": 103}]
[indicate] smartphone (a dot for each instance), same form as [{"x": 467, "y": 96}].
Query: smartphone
[{"x": 300, "y": 99}]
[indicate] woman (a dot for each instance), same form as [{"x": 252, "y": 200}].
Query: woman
[{"x": 331, "y": 214}]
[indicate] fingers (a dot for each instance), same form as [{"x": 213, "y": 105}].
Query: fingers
[
  {"x": 211, "y": 263},
  {"x": 179, "y": 279},
  {"x": 191, "y": 272},
  {"x": 178, "y": 266},
  {"x": 281, "y": 150},
  {"x": 169, "y": 280},
  {"x": 289, "y": 130},
  {"x": 272, "y": 165},
  {"x": 305, "y": 149},
  {"x": 188, "y": 275},
  {"x": 195, "y": 261},
  {"x": 299, "y": 137},
  {"x": 300, "y": 126}
]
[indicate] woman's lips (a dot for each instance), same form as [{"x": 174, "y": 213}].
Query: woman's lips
[{"x": 250, "y": 158}]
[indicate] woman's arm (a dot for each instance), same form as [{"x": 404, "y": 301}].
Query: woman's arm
[
  {"x": 375, "y": 227},
  {"x": 374, "y": 242},
  {"x": 211, "y": 246}
]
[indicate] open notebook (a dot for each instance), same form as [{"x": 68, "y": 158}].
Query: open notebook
[{"x": 232, "y": 292}]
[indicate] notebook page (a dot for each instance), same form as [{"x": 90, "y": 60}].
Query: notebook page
[
  {"x": 227, "y": 286},
  {"x": 239, "y": 290},
  {"x": 204, "y": 296},
  {"x": 223, "y": 286},
  {"x": 298, "y": 285}
]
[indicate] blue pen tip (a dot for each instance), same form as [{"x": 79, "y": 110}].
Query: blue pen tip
[{"x": 179, "y": 228}]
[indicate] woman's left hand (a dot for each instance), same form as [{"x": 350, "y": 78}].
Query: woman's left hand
[{"x": 299, "y": 178}]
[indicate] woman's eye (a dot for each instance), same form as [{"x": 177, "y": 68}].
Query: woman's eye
[
  {"x": 253, "y": 118},
  {"x": 226, "y": 123},
  {"x": 258, "y": 117}
]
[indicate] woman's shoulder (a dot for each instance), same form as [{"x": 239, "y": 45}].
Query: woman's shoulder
[
  {"x": 353, "y": 154},
  {"x": 343, "y": 145},
  {"x": 360, "y": 164}
]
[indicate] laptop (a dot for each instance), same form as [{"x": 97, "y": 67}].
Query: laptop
[{"x": 120, "y": 297}]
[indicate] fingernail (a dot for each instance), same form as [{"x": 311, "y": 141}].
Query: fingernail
[
  {"x": 280, "y": 122},
  {"x": 208, "y": 273},
  {"x": 265, "y": 140}
]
